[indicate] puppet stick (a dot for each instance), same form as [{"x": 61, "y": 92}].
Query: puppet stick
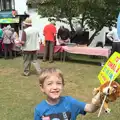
[{"x": 108, "y": 87}]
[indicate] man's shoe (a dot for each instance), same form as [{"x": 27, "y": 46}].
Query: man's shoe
[
  {"x": 51, "y": 61},
  {"x": 44, "y": 60},
  {"x": 24, "y": 74},
  {"x": 38, "y": 72}
]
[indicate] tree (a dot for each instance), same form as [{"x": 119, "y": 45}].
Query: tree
[
  {"x": 61, "y": 9},
  {"x": 92, "y": 13},
  {"x": 102, "y": 14}
]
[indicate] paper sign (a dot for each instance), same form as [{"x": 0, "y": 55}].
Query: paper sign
[
  {"x": 111, "y": 69},
  {"x": 9, "y": 20}
]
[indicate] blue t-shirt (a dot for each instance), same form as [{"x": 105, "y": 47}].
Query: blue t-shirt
[{"x": 67, "y": 109}]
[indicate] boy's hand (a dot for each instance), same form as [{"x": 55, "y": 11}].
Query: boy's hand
[
  {"x": 97, "y": 99},
  {"x": 106, "y": 91},
  {"x": 95, "y": 104}
]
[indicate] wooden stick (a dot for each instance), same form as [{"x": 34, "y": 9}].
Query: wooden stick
[{"x": 108, "y": 87}]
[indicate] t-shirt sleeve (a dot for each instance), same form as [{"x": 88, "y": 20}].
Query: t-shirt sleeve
[
  {"x": 36, "y": 115},
  {"x": 77, "y": 106}
]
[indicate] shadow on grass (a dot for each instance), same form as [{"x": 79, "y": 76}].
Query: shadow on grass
[
  {"x": 74, "y": 58},
  {"x": 82, "y": 62}
]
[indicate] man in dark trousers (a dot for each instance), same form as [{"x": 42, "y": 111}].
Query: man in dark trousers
[{"x": 49, "y": 33}]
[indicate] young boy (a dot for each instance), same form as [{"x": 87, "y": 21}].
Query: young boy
[{"x": 57, "y": 107}]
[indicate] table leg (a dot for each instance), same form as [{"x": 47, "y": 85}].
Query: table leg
[
  {"x": 61, "y": 56},
  {"x": 64, "y": 55},
  {"x": 103, "y": 60}
]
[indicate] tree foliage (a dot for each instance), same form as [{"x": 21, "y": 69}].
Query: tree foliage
[
  {"x": 101, "y": 14},
  {"x": 92, "y": 13}
]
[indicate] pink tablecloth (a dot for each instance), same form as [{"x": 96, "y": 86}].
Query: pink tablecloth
[
  {"x": 56, "y": 49},
  {"x": 87, "y": 50}
]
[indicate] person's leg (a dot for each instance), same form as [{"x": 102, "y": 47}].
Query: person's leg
[
  {"x": 5, "y": 51},
  {"x": 10, "y": 50},
  {"x": 0, "y": 48},
  {"x": 26, "y": 63},
  {"x": 46, "y": 51},
  {"x": 118, "y": 47},
  {"x": 36, "y": 63},
  {"x": 51, "y": 52},
  {"x": 113, "y": 48}
]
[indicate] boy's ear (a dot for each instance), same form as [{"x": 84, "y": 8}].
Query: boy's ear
[{"x": 41, "y": 88}]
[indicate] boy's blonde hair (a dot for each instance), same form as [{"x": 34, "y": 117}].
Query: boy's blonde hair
[{"x": 45, "y": 73}]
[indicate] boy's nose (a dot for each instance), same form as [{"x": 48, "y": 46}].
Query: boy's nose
[{"x": 54, "y": 86}]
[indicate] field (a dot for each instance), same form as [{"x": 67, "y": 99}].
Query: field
[{"x": 19, "y": 95}]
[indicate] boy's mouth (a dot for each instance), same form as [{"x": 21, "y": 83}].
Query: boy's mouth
[{"x": 55, "y": 92}]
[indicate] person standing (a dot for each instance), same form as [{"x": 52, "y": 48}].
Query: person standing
[
  {"x": 49, "y": 33},
  {"x": 113, "y": 36},
  {"x": 1, "y": 39},
  {"x": 8, "y": 41},
  {"x": 30, "y": 45}
]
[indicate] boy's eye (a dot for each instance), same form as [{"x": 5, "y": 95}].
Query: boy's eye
[
  {"x": 59, "y": 83},
  {"x": 49, "y": 83}
]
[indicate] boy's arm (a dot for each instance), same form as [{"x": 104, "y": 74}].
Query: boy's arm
[
  {"x": 95, "y": 104},
  {"x": 91, "y": 108}
]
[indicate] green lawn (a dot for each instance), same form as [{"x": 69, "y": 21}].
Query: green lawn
[{"x": 19, "y": 95}]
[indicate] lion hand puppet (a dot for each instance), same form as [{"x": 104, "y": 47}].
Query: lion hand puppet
[{"x": 112, "y": 92}]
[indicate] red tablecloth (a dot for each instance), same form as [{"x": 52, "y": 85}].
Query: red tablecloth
[
  {"x": 87, "y": 50},
  {"x": 56, "y": 49}
]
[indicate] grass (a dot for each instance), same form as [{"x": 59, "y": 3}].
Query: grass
[{"x": 19, "y": 95}]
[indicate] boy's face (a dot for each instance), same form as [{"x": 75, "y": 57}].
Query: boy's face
[{"x": 52, "y": 86}]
